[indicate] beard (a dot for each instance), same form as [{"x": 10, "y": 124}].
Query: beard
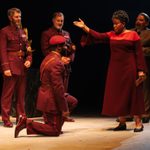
[{"x": 17, "y": 24}]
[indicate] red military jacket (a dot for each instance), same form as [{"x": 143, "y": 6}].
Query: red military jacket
[
  {"x": 51, "y": 94},
  {"x": 46, "y": 47},
  {"x": 46, "y": 35},
  {"x": 12, "y": 40}
]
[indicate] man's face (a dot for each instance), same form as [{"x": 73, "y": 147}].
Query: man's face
[
  {"x": 58, "y": 22},
  {"x": 16, "y": 19},
  {"x": 141, "y": 23}
]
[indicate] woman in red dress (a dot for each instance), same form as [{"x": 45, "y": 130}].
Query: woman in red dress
[{"x": 122, "y": 95}]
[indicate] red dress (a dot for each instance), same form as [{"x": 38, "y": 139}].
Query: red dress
[{"x": 122, "y": 97}]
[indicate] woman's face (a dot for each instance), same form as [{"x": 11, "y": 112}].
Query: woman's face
[{"x": 118, "y": 25}]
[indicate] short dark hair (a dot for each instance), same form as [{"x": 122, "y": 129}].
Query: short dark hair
[
  {"x": 55, "y": 14},
  {"x": 146, "y": 16},
  {"x": 121, "y": 15},
  {"x": 11, "y": 11}
]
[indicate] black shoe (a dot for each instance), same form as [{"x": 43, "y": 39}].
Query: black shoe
[
  {"x": 145, "y": 120},
  {"x": 120, "y": 127},
  {"x": 139, "y": 129}
]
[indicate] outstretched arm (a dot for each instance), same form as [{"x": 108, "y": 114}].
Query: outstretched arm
[{"x": 81, "y": 25}]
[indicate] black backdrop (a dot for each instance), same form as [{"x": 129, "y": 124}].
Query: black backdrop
[{"x": 89, "y": 69}]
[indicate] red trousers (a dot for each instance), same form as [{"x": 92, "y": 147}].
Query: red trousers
[
  {"x": 53, "y": 121},
  {"x": 72, "y": 103},
  {"x": 51, "y": 128},
  {"x": 13, "y": 85}
]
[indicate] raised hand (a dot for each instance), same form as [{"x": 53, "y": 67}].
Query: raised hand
[{"x": 79, "y": 23}]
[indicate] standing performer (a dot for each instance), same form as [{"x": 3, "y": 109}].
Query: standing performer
[{"x": 16, "y": 58}]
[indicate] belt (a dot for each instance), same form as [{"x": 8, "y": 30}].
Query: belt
[{"x": 20, "y": 53}]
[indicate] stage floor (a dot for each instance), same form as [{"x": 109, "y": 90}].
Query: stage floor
[{"x": 86, "y": 133}]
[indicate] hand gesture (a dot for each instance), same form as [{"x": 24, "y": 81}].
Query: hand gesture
[{"x": 79, "y": 23}]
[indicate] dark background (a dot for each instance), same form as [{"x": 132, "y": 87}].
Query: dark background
[{"x": 89, "y": 69}]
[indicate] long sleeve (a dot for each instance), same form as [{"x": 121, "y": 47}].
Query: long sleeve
[
  {"x": 45, "y": 43},
  {"x": 94, "y": 37},
  {"x": 58, "y": 85},
  {"x": 141, "y": 65},
  {"x": 3, "y": 51}
]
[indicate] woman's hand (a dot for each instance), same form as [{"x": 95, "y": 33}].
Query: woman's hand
[
  {"x": 141, "y": 78},
  {"x": 79, "y": 23}
]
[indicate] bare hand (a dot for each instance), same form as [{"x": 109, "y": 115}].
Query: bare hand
[
  {"x": 65, "y": 60},
  {"x": 73, "y": 47},
  {"x": 79, "y": 23},
  {"x": 141, "y": 78},
  {"x": 65, "y": 113},
  {"x": 8, "y": 73},
  {"x": 29, "y": 49},
  {"x": 27, "y": 64},
  {"x": 141, "y": 74}
]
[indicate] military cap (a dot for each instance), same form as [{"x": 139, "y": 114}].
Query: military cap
[{"x": 57, "y": 39}]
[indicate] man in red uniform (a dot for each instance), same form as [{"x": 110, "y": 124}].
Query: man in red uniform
[
  {"x": 56, "y": 29},
  {"x": 67, "y": 54},
  {"x": 52, "y": 99},
  {"x": 16, "y": 58}
]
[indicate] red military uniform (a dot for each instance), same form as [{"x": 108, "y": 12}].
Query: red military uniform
[
  {"x": 46, "y": 48},
  {"x": 13, "y": 43},
  {"x": 46, "y": 35},
  {"x": 52, "y": 99}
]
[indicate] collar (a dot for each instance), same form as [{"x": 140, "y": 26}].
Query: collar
[{"x": 55, "y": 52}]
